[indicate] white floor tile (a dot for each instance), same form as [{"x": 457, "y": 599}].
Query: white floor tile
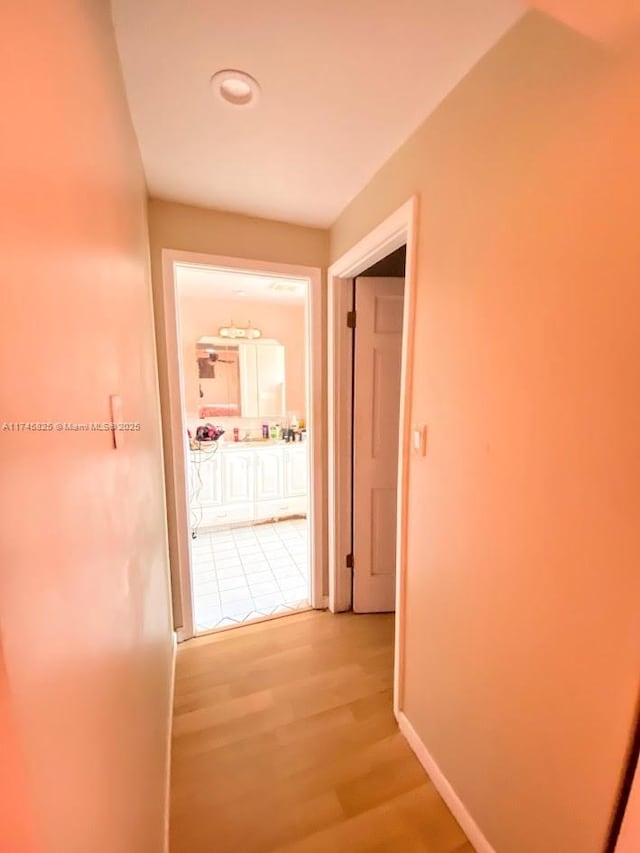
[
  {"x": 266, "y": 535},
  {"x": 200, "y": 554},
  {"x": 228, "y": 563},
  {"x": 289, "y": 536},
  {"x": 275, "y": 550},
  {"x": 228, "y": 596},
  {"x": 264, "y": 588},
  {"x": 208, "y": 601},
  {"x": 255, "y": 564},
  {"x": 248, "y": 545},
  {"x": 259, "y": 576},
  {"x": 233, "y": 582},
  {"x": 203, "y": 568},
  {"x": 211, "y": 615},
  {"x": 243, "y": 573},
  {"x": 296, "y": 593},
  {"x": 220, "y": 553},
  {"x": 239, "y": 609},
  {"x": 285, "y": 571},
  {"x": 200, "y": 578},
  {"x": 201, "y": 542},
  {"x": 233, "y": 570},
  {"x": 243, "y": 536},
  {"x": 202, "y": 589},
  {"x": 293, "y": 582},
  {"x": 268, "y": 601}
]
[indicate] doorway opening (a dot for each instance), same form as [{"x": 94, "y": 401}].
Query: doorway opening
[
  {"x": 372, "y": 287},
  {"x": 244, "y": 448}
]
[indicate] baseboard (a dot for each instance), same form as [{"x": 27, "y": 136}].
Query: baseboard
[
  {"x": 444, "y": 788},
  {"x": 167, "y": 782}
]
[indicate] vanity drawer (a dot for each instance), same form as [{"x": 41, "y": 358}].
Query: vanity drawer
[
  {"x": 281, "y": 507},
  {"x": 219, "y": 516}
]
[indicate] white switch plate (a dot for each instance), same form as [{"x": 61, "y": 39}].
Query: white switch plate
[{"x": 419, "y": 439}]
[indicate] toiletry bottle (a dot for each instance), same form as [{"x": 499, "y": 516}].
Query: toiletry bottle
[
  {"x": 236, "y": 434},
  {"x": 265, "y": 430}
]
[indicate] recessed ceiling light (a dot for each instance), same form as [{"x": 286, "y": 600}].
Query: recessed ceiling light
[
  {"x": 236, "y": 88},
  {"x": 240, "y": 292}
]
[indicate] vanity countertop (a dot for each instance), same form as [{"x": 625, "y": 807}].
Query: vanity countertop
[{"x": 232, "y": 446}]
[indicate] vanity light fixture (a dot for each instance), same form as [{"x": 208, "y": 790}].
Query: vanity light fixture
[
  {"x": 247, "y": 333},
  {"x": 236, "y": 88}
]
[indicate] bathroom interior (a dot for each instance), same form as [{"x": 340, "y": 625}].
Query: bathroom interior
[{"x": 243, "y": 339}]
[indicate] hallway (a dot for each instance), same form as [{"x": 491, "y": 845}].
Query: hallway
[{"x": 284, "y": 739}]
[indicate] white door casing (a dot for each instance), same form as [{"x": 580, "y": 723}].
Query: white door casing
[
  {"x": 175, "y": 426},
  {"x": 377, "y": 370}
]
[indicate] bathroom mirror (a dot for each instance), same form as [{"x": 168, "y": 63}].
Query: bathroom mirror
[
  {"x": 218, "y": 379},
  {"x": 241, "y": 380}
]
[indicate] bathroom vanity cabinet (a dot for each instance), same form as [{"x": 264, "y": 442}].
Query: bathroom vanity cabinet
[{"x": 244, "y": 483}]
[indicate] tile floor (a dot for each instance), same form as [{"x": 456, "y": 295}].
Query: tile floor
[{"x": 246, "y": 573}]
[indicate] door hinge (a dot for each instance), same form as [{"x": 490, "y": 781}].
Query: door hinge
[
  {"x": 349, "y": 561},
  {"x": 351, "y": 319}
]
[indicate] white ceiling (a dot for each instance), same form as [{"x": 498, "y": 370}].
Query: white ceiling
[
  {"x": 205, "y": 282},
  {"x": 344, "y": 83}
]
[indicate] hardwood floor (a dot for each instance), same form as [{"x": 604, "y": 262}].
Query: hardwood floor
[{"x": 284, "y": 740}]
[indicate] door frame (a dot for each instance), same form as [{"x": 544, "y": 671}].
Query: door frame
[
  {"x": 398, "y": 229},
  {"x": 175, "y": 429}
]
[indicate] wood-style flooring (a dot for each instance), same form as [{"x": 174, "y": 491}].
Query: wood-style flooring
[{"x": 284, "y": 739}]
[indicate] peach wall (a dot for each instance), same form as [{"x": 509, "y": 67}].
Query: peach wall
[
  {"x": 605, "y": 21},
  {"x": 629, "y": 838},
  {"x": 522, "y": 630},
  {"x": 285, "y": 322},
  {"x": 84, "y": 600},
  {"x": 17, "y": 828},
  {"x": 197, "y": 229}
]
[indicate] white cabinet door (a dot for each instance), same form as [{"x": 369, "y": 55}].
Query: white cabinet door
[
  {"x": 296, "y": 471},
  {"x": 205, "y": 488},
  {"x": 205, "y": 481},
  {"x": 269, "y": 474},
  {"x": 271, "y": 380},
  {"x": 237, "y": 477}
]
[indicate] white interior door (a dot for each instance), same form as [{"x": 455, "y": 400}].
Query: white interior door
[{"x": 376, "y": 377}]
